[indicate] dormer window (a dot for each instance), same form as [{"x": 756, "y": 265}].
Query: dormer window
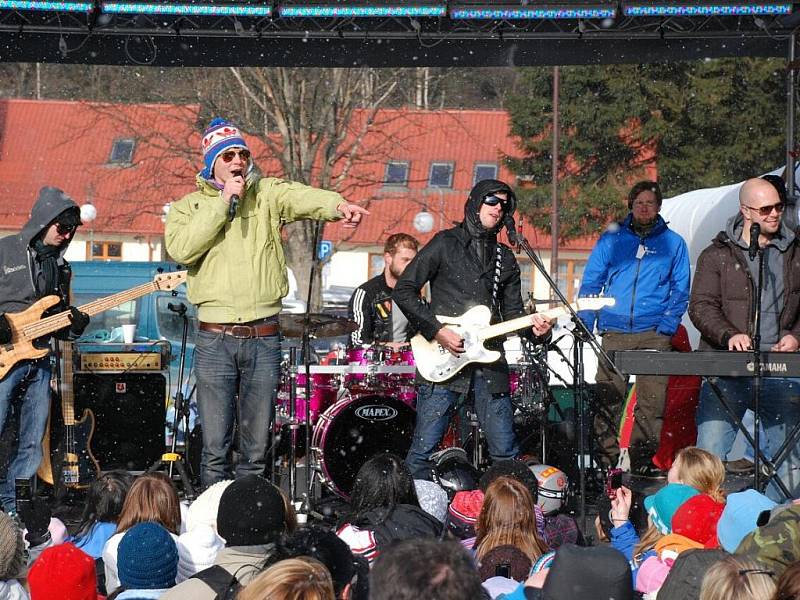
[
  {"x": 122, "y": 151},
  {"x": 441, "y": 175},
  {"x": 396, "y": 173},
  {"x": 484, "y": 171}
]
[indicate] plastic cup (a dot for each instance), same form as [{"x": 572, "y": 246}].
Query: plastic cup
[{"x": 128, "y": 332}]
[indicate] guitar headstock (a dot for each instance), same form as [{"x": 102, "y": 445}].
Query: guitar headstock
[
  {"x": 594, "y": 302},
  {"x": 169, "y": 281}
]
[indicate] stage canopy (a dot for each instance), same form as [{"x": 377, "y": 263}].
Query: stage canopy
[{"x": 463, "y": 33}]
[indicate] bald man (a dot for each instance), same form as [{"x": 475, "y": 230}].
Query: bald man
[{"x": 721, "y": 308}]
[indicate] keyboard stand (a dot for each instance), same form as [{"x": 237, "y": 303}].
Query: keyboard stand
[{"x": 768, "y": 467}]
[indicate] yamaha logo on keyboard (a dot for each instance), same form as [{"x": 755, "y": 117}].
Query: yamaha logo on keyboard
[{"x": 771, "y": 367}]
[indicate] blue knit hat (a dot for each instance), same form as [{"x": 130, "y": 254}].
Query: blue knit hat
[
  {"x": 218, "y": 137},
  {"x": 147, "y": 558},
  {"x": 662, "y": 505},
  {"x": 740, "y": 517}
]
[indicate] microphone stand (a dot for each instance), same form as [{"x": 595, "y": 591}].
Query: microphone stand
[
  {"x": 757, "y": 369},
  {"x": 582, "y": 334}
]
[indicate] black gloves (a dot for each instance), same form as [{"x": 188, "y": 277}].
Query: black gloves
[
  {"x": 5, "y": 330},
  {"x": 79, "y": 320},
  {"x": 35, "y": 515}
]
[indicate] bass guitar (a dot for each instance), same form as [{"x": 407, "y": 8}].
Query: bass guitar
[
  {"x": 28, "y": 326},
  {"x": 436, "y": 364},
  {"x": 79, "y": 468}
]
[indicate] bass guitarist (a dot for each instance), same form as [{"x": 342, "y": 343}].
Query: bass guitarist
[
  {"x": 466, "y": 266},
  {"x": 32, "y": 266}
]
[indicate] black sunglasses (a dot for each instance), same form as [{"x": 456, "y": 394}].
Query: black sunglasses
[
  {"x": 492, "y": 200},
  {"x": 64, "y": 229}
]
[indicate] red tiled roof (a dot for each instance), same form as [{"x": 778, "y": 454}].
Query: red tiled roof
[{"x": 68, "y": 144}]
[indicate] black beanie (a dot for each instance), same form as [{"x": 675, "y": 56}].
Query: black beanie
[
  {"x": 516, "y": 469},
  {"x": 251, "y": 512},
  {"x": 588, "y": 574}
]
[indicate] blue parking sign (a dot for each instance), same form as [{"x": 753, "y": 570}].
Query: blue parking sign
[{"x": 325, "y": 249}]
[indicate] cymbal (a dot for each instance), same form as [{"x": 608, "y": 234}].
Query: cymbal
[{"x": 320, "y": 325}]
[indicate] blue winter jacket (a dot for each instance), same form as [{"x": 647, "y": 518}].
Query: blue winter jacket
[{"x": 652, "y": 291}]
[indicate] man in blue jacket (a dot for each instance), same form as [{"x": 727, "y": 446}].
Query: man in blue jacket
[{"x": 645, "y": 266}]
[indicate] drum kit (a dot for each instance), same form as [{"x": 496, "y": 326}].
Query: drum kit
[{"x": 361, "y": 401}]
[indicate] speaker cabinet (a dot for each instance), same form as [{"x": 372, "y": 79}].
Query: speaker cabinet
[{"x": 130, "y": 415}]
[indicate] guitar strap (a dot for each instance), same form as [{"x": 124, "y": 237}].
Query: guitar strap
[{"x": 496, "y": 281}]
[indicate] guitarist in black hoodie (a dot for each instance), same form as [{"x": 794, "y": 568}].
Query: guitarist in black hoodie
[
  {"x": 466, "y": 266},
  {"x": 32, "y": 267}
]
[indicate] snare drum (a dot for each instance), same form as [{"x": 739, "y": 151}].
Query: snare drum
[{"x": 354, "y": 430}]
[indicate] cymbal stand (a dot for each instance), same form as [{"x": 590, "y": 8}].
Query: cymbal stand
[
  {"x": 293, "y": 424},
  {"x": 306, "y": 508}
]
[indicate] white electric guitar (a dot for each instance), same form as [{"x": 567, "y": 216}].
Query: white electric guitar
[{"x": 436, "y": 364}]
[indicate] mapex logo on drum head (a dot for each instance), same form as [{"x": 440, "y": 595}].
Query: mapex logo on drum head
[{"x": 376, "y": 412}]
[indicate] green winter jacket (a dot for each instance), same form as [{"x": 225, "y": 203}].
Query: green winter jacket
[{"x": 237, "y": 270}]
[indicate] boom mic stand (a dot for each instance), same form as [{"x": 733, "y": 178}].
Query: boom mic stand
[
  {"x": 581, "y": 333},
  {"x": 172, "y": 458}
]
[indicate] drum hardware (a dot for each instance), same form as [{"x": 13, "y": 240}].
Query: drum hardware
[
  {"x": 320, "y": 325},
  {"x": 293, "y": 424}
]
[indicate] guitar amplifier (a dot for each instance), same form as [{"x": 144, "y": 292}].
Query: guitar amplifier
[
  {"x": 110, "y": 357},
  {"x": 130, "y": 415}
]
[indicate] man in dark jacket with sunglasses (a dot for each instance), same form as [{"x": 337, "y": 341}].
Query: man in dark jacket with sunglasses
[
  {"x": 466, "y": 266},
  {"x": 32, "y": 267},
  {"x": 721, "y": 307}
]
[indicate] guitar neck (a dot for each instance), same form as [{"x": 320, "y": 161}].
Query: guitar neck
[
  {"x": 61, "y": 320},
  {"x": 507, "y": 327},
  {"x": 67, "y": 393}
]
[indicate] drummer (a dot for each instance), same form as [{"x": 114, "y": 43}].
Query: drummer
[{"x": 379, "y": 320}]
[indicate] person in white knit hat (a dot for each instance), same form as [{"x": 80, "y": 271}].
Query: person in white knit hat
[{"x": 199, "y": 544}]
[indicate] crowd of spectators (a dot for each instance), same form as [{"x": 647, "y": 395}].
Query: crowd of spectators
[{"x": 406, "y": 539}]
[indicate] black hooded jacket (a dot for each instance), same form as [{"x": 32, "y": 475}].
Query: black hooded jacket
[
  {"x": 19, "y": 271},
  {"x": 460, "y": 263}
]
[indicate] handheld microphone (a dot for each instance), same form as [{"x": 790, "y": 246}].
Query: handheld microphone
[
  {"x": 755, "y": 231},
  {"x": 232, "y": 206}
]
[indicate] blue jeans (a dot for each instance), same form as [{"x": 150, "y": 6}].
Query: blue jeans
[
  {"x": 224, "y": 367},
  {"x": 434, "y": 402},
  {"x": 779, "y": 410},
  {"x": 25, "y": 390}
]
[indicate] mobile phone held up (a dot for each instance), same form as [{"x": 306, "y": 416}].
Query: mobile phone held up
[{"x": 613, "y": 482}]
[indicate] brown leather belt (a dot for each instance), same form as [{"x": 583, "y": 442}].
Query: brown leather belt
[{"x": 242, "y": 332}]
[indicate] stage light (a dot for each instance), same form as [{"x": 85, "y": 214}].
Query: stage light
[
  {"x": 705, "y": 10},
  {"x": 363, "y": 10},
  {"x": 50, "y": 6},
  {"x": 208, "y": 10},
  {"x": 499, "y": 12}
]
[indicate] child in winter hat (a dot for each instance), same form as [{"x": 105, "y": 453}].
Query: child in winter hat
[
  {"x": 63, "y": 572},
  {"x": 147, "y": 561}
]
